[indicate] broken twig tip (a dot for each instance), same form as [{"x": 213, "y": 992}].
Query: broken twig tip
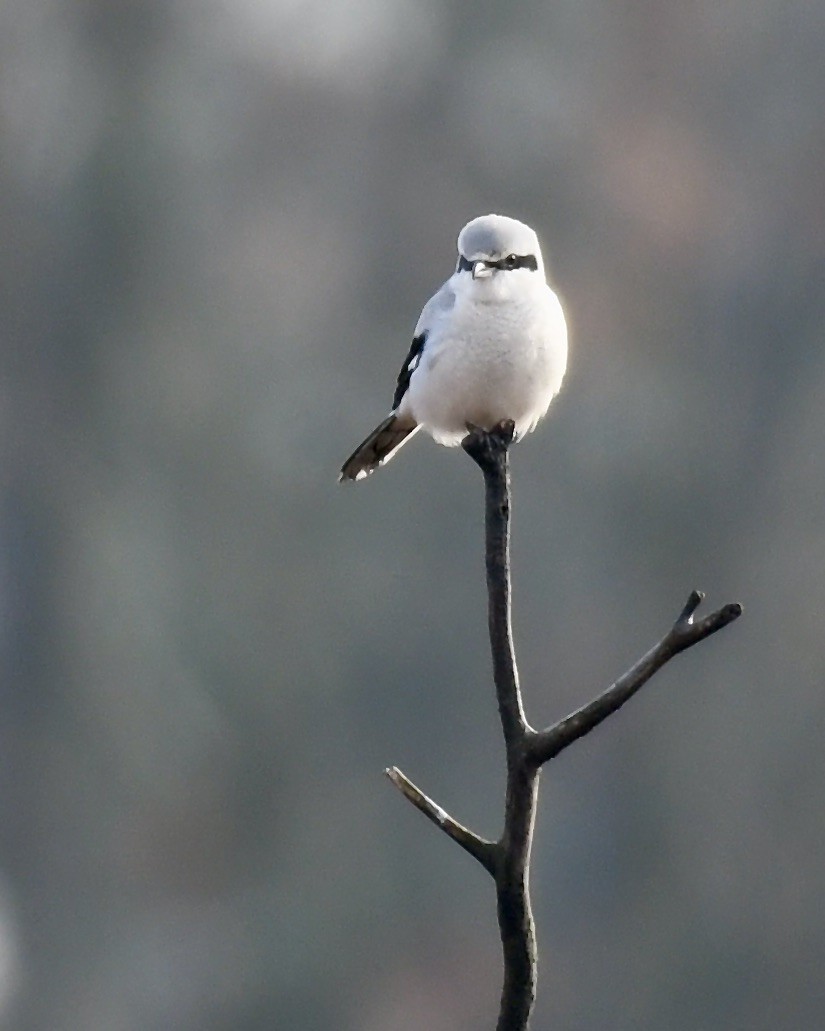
[
  {"x": 731, "y": 612},
  {"x": 695, "y": 599}
]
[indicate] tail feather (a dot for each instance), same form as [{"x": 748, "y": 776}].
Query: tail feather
[{"x": 378, "y": 448}]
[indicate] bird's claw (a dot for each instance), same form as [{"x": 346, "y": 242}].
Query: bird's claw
[{"x": 505, "y": 431}]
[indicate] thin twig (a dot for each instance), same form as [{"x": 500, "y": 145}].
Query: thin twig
[
  {"x": 544, "y": 745},
  {"x": 480, "y": 849}
]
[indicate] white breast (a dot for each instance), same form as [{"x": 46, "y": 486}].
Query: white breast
[{"x": 487, "y": 361}]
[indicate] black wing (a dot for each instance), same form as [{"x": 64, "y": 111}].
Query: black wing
[{"x": 408, "y": 368}]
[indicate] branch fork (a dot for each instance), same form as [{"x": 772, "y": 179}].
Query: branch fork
[{"x": 507, "y": 860}]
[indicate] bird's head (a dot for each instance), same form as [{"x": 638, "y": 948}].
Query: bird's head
[{"x": 499, "y": 256}]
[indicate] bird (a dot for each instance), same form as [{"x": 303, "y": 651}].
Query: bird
[{"x": 490, "y": 346}]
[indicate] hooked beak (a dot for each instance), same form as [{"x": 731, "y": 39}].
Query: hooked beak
[{"x": 481, "y": 270}]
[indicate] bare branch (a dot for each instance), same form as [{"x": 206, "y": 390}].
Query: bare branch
[
  {"x": 490, "y": 452},
  {"x": 480, "y": 849},
  {"x": 515, "y": 917},
  {"x": 508, "y": 859},
  {"x": 544, "y": 745}
]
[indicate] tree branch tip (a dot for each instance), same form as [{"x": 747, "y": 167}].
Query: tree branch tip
[
  {"x": 695, "y": 599},
  {"x": 690, "y": 632},
  {"x": 415, "y": 795},
  {"x": 727, "y": 614},
  {"x": 398, "y": 778},
  {"x": 715, "y": 621}
]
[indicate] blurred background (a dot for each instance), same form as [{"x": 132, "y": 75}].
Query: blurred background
[{"x": 218, "y": 224}]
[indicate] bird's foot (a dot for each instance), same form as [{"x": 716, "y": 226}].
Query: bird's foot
[
  {"x": 505, "y": 431},
  {"x": 488, "y": 447}
]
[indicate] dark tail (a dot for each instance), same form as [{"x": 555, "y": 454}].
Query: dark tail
[{"x": 378, "y": 448}]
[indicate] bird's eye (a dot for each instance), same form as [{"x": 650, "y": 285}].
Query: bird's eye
[{"x": 511, "y": 261}]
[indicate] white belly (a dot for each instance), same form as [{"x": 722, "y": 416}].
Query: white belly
[{"x": 490, "y": 362}]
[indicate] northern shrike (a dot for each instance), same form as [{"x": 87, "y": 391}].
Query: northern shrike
[{"x": 490, "y": 345}]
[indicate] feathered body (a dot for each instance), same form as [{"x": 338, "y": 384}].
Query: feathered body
[{"x": 490, "y": 345}]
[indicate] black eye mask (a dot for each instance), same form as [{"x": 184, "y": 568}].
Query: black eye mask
[{"x": 512, "y": 261}]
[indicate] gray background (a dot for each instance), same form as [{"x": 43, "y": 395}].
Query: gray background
[{"x": 218, "y": 223}]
